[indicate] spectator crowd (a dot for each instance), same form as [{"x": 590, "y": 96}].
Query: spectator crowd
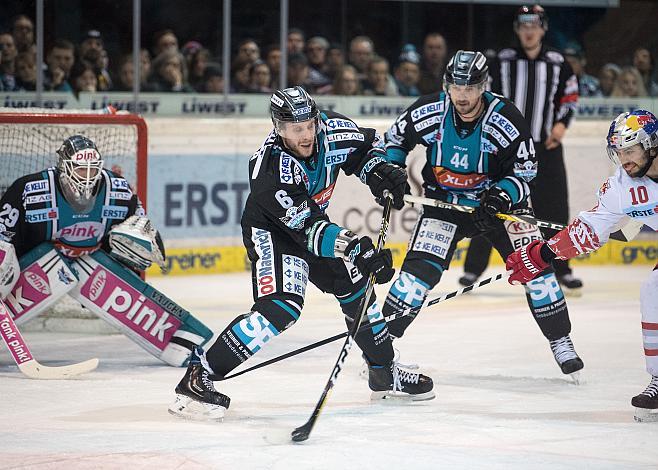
[{"x": 314, "y": 63}]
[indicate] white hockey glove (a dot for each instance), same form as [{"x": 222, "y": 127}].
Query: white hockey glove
[
  {"x": 9, "y": 268},
  {"x": 135, "y": 243}
]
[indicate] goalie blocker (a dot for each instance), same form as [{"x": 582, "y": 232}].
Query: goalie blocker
[{"x": 111, "y": 291}]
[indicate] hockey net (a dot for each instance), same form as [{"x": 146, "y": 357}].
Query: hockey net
[{"x": 29, "y": 138}]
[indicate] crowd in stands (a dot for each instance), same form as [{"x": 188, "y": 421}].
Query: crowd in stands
[{"x": 314, "y": 63}]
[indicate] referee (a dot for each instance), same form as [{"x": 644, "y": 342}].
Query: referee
[{"x": 543, "y": 86}]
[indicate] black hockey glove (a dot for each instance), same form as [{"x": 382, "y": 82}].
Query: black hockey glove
[
  {"x": 492, "y": 202},
  {"x": 389, "y": 177},
  {"x": 361, "y": 252}
]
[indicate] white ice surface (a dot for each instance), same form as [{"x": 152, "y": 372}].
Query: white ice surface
[{"x": 501, "y": 403}]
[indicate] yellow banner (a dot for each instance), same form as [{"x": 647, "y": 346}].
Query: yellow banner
[{"x": 225, "y": 259}]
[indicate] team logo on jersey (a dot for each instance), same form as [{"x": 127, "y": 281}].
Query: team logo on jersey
[
  {"x": 322, "y": 198},
  {"x": 505, "y": 126},
  {"x": 36, "y": 186},
  {"x": 41, "y": 215},
  {"x": 425, "y": 110},
  {"x": 285, "y": 169},
  {"x": 265, "y": 271},
  {"x": 296, "y": 216},
  {"x": 114, "y": 212},
  {"x": 604, "y": 188},
  {"x": 526, "y": 170},
  {"x": 450, "y": 180},
  {"x": 38, "y": 199},
  {"x": 80, "y": 232},
  {"x": 119, "y": 183},
  {"x": 646, "y": 210},
  {"x": 340, "y": 124},
  {"x": 64, "y": 277}
]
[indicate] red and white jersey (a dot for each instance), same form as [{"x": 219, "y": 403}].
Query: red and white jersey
[{"x": 620, "y": 196}]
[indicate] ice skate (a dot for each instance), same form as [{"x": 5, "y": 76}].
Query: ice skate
[
  {"x": 467, "y": 279},
  {"x": 196, "y": 397},
  {"x": 646, "y": 403},
  {"x": 566, "y": 357},
  {"x": 395, "y": 382},
  {"x": 571, "y": 286}
]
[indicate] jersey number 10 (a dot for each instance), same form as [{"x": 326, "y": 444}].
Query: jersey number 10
[{"x": 639, "y": 195}]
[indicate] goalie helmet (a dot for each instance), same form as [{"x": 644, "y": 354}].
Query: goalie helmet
[
  {"x": 79, "y": 168},
  {"x": 531, "y": 14},
  {"x": 629, "y": 129},
  {"x": 292, "y": 105},
  {"x": 467, "y": 68}
]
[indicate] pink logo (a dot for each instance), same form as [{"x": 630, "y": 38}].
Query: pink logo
[
  {"x": 86, "y": 156},
  {"x": 31, "y": 289},
  {"x": 121, "y": 300},
  {"x": 80, "y": 231}
]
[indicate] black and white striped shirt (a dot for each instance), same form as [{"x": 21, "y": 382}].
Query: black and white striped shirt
[{"x": 544, "y": 89}]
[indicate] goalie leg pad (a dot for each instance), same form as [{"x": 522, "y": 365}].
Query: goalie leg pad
[
  {"x": 44, "y": 279},
  {"x": 9, "y": 268},
  {"x": 145, "y": 315}
]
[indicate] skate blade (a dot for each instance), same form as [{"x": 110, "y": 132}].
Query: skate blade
[
  {"x": 187, "y": 408},
  {"x": 401, "y": 396},
  {"x": 575, "y": 378},
  {"x": 643, "y": 415}
]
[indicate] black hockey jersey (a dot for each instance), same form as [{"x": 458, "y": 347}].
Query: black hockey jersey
[
  {"x": 465, "y": 159},
  {"x": 33, "y": 210},
  {"x": 290, "y": 195}
]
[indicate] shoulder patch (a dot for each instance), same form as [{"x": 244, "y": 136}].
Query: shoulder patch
[
  {"x": 426, "y": 110},
  {"x": 285, "y": 169},
  {"x": 340, "y": 124},
  {"x": 341, "y": 136},
  {"x": 36, "y": 187},
  {"x": 507, "y": 54},
  {"x": 555, "y": 57}
]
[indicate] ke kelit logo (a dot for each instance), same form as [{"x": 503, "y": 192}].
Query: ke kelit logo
[
  {"x": 123, "y": 302},
  {"x": 31, "y": 289},
  {"x": 37, "y": 186},
  {"x": 265, "y": 264},
  {"x": 80, "y": 232}
]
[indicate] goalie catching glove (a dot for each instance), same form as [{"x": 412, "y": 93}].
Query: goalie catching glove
[{"x": 135, "y": 243}]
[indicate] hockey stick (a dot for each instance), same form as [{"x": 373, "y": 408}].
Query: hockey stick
[
  {"x": 387, "y": 319},
  {"x": 625, "y": 234},
  {"x": 27, "y": 364},
  {"x": 303, "y": 432}
]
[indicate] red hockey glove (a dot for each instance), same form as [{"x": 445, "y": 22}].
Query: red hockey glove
[{"x": 527, "y": 263}]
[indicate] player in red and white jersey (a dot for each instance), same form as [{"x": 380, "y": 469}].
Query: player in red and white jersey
[{"x": 631, "y": 192}]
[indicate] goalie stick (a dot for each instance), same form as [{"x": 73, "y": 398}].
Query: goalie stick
[
  {"x": 625, "y": 234},
  {"x": 27, "y": 364},
  {"x": 387, "y": 319},
  {"x": 303, "y": 432}
]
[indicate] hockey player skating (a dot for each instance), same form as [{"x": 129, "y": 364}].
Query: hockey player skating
[
  {"x": 479, "y": 153},
  {"x": 632, "y": 191},
  {"x": 290, "y": 241},
  {"x": 78, "y": 229}
]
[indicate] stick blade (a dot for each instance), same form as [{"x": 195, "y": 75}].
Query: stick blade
[
  {"x": 302, "y": 433},
  {"x": 35, "y": 370}
]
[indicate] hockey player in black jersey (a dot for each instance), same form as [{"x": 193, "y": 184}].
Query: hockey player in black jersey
[
  {"x": 78, "y": 229},
  {"x": 479, "y": 153},
  {"x": 291, "y": 241}
]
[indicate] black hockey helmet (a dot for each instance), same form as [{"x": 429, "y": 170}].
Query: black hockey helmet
[
  {"x": 79, "y": 166},
  {"x": 531, "y": 14},
  {"x": 292, "y": 105},
  {"x": 467, "y": 68}
]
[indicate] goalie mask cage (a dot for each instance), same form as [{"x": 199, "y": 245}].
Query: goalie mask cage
[{"x": 29, "y": 139}]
